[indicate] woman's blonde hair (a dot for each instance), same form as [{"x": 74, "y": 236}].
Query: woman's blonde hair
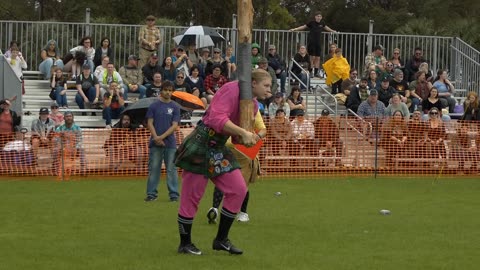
[{"x": 259, "y": 75}]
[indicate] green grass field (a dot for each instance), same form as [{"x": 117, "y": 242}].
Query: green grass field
[{"x": 314, "y": 224}]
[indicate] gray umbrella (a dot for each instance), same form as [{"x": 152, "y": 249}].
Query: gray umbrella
[{"x": 201, "y": 36}]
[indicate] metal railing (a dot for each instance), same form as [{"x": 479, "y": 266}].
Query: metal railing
[{"x": 465, "y": 71}]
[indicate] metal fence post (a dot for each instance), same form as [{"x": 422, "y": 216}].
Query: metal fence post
[
  {"x": 87, "y": 22},
  {"x": 435, "y": 55},
  {"x": 453, "y": 62},
  {"x": 370, "y": 36},
  {"x": 233, "y": 34}
]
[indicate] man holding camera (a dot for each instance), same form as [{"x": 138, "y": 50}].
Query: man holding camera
[{"x": 113, "y": 104}]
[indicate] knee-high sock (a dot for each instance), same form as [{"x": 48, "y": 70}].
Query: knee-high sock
[
  {"x": 185, "y": 230},
  {"x": 245, "y": 203},
  {"x": 226, "y": 220},
  {"x": 217, "y": 197}
]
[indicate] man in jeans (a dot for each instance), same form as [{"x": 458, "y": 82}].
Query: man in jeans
[
  {"x": 88, "y": 88},
  {"x": 163, "y": 117}
]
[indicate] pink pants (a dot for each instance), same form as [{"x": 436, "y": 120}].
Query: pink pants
[{"x": 231, "y": 184}]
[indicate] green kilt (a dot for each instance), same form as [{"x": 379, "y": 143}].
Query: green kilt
[{"x": 204, "y": 152}]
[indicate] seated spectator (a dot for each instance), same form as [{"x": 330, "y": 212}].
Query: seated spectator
[
  {"x": 103, "y": 50},
  {"x": 256, "y": 55},
  {"x": 385, "y": 92},
  {"x": 153, "y": 67},
  {"x": 463, "y": 150},
  {"x": 109, "y": 76},
  {"x": 99, "y": 69},
  {"x": 132, "y": 77},
  {"x": 180, "y": 85},
  {"x": 327, "y": 136},
  {"x": 79, "y": 56},
  {"x": 394, "y": 136},
  {"x": 428, "y": 72},
  {"x": 88, "y": 88},
  {"x": 17, "y": 63},
  {"x": 337, "y": 69},
  {"x": 350, "y": 82},
  {"x": 388, "y": 72},
  {"x": 397, "y": 105},
  {"x": 279, "y": 103},
  {"x": 303, "y": 135},
  {"x": 203, "y": 60},
  {"x": 412, "y": 65},
  {"x": 154, "y": 89},
  {"x": 375, "y": 60},
  {"x": 371, "y": 107},
  {"x": 278, "y": 65},
  {"x": 433, "y": 102},
  {"x": 280, "y": 138},
  {"x": 420, "y": 88},
  {"x": 402, "y": 88},
  {"x": 42, "y": 130},
  {"x": 17, "y": 152},
  {"x": 50, "y": 55},
  {"x": 216, "y": 60},
  {"x": 126, "y": 143},
  {"x": 436, "y": 134},
  {"x": 213, "y": 82},
  {"x": 296, "y": 102},
  {"x": 417, "y": 136},
  {"x": 113, "y": 103},
  {"x": 471, "y": 107},
  {"x": 358, "y": 94},
  {"x": 263, "y": 64},
  {"x": 170, "y": 72},
  {"x": 9, "y": 122},
  {"x": 59, "y": 86},
  {"x": 396, "y": 60},
  {"x": 56, "y": 115},
  {"x": 445, "y": 90},
  {"x": 373, "y": 81},
  {"x": 231, "y": 62},
  {"x": 192, "y": 53},
  {"x": 196, "y": 83},
  {"x": 181, "y": 61},
  {"x": 302, "y": 72}
]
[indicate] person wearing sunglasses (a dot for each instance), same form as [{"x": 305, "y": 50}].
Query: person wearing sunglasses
[
  {"x": 436, "y": 134},
  {"x": 433, "y": 102},
  {"x": 413, "y": 64}
]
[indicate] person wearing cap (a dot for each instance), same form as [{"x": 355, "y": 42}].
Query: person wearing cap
[
  {"x": 216, "y": 59},
  {"x": 56, "y": 115},
  {"x": 316, "y": 26},
  {"x": 42, "y": 130},
  {"x": 132, "y": 76},
  {"x": 256, "y": 55},
  {"x": 413, "y": 64},
  {"x": 152, "y": 67},
  {"x": 436, "y": 134},
  {"x": 9, "y": 122},
  {"x": 401, "y": 86},
  {"x": 358, "y": 94},
  {"x": 263, "y": 64},
  {"x": 181, "y": 61},
  {"x": 88, "y": 88},
  {"x": 375, "y": 60},
  {"x": 150, "y": 38},
  {"x": 327, "y": 136},
  {"x": 278, "y": 65},
  {"x": 109, "y": 76},
  {"x": 279, "y": 102},
  {"x": 105, "y": 49},
  {"x": 385, "y": 91},
  {"x": 303, "y": 134},
  {"x": 371, "y": 107},
  {"x": 213, "y": 82},
  {"x": 79, "y": 56}
]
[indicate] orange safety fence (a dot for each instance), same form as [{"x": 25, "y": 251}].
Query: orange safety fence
[{"x": 316, "y": 147}]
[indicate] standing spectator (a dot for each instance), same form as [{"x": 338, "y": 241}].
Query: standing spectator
[
  {"x": 296, "y": 102},
  {"x": 17, "y": 63},
  {"x": 154, "y": 89},
  {"x": 256, "y": 55},
  {"x": 278, "y": 65},
  {"x": 279, "y": 103},
  {"x": 375, "y": 60},
  {"x": 56, "y": 115},
  {"x": 396, "y": 60},
  {"x": 169, "y": 70},
  {"x": 59, "y": 84},
  {"x": 213, "y": 82},
  {"x": 219, "y": 123},
  {"x": 113, "y": 103},
  {"x": 302, "y": 71},
  {"x": 445, "y": 90},
  {"x": 163, "y": 117},
  {"x": 371, "y": 107},
  {"x": 132, "y": 77},
  {"x": 471, "y": 107},
  {"x": 337, "y": 69},
  {"x": 385, "y": 92},
  {"x": 412, "y": 65},
  {"x": 397, "y": 105},
  {"x": 88, "y": 88},
  {"x": 42, "y": 129},
  {"x": 420, "y": 88},
  {"x": 149, "y": 37},
  {"x": 433, "y": 101},
  {"x": 153, "y": 67},
  {"x": 104, "y": 49},
  {"x": 327, "y": 136},
  {"x": 9, "y": 122},
  {"x": 316, "y": 27},
  {"x": 50, "y": 58},
  {"x": 358, "y": 94},
  {"x": 79, "y": 56},
  {"x": 231, "y": 62},
  {"x": 109, "y": 76},
  {"x": 99, "y": 69}
]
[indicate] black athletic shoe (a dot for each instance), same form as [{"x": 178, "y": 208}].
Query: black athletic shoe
[
  {"x": 212, "y": 215},
  {"x": 150, "y": 199},
  {"x": 227, "y": 246},
  {"x": 189, "y": 249}
]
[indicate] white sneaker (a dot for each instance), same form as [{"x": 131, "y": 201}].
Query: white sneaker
[{"x": 242, "y": 217}]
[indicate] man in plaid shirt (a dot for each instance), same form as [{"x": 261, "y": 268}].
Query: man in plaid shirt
[{"x": 214, "y": 81}]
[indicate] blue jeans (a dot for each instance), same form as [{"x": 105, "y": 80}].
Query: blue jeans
[
  {"x": 91, "y": 95},
  {"x": 46, "y": 66},
  {"x": 61, "y": 99},
  {"x": 156, "y": 156},
  {"x": 109, "y": 114},
  {"x": 283, "y": 78},
  {"x": 415, "y": 104},
  {"x": 142, "y": 90}
]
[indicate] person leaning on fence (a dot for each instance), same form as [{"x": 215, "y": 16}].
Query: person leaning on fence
[
  {"x": 463, "y": 150},
  {"x": 132, "y": 76},
  {"x": 58, "y": 83},
  {"x": 88, "y": 88},
  {"x": 113, "y": 104},
  {"x": 203, "y": 155},
  {"x": 394, "y": 137},
  {"x": 327, "y": 137},
  {"x": 104, "y": 49},
  {"x": 150, "y": 38},
  {"x": 50, "y": 55},
  {"x": 42, "y": 130}
]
